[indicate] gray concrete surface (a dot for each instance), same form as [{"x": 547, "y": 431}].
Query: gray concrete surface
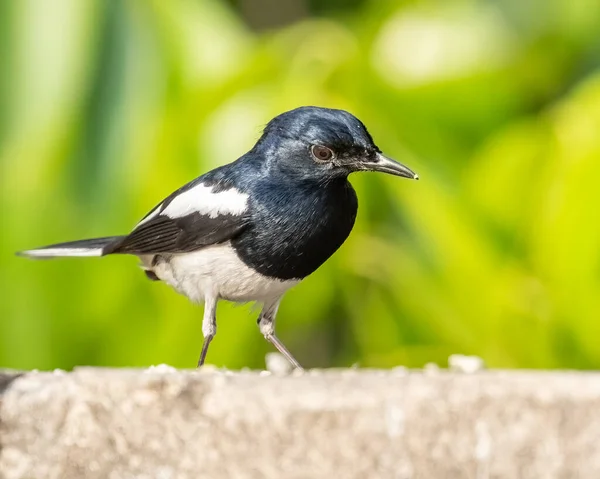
[{"x": 96, "y": 423}]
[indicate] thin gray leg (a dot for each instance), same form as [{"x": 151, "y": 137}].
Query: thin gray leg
[
  {"x": 209, "y": 325},
  {"x": 266, "y": 324}
]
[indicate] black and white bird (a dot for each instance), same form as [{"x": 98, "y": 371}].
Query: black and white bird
[{"x": 252, "y": 229}]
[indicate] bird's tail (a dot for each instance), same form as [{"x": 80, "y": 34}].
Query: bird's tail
[{"x": 87, "y": 247}]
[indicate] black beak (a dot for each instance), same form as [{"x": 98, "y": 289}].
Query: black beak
[{"x": 387, "y": 165}]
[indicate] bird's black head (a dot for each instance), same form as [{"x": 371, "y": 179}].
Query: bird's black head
[{"x": 323, "y": 144}]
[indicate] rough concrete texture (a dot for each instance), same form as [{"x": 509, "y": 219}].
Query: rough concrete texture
[{"x": 96, "y": 423}]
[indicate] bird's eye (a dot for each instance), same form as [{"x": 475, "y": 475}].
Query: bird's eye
[{"x": 321, "y": 153}]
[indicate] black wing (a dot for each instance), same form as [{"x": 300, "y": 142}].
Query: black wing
[{"x": 190, "y": 232}]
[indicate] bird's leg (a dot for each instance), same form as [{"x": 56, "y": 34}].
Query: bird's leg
[
  {"x": 266, "y": 324},
  {"x": 209, "y": 325}
]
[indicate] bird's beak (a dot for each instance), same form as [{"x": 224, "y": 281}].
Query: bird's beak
[{"x": 387, "y": 165}]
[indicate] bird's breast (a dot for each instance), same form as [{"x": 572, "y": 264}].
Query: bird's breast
[{"x": 295, "y": 231}]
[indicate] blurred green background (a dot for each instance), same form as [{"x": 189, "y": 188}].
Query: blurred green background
[{"x": 107, "y": 106}]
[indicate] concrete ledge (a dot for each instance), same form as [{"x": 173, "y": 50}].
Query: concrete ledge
[{"x": 96, "y": 423}]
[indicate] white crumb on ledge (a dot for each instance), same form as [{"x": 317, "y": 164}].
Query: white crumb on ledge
[
  {"x": 465, "y": 364},
  {"x": 277, "y": 364},
  {"x": 399, "y": 370},
  {"x": 210, "y": 368},
  {"x": 431, "y": 369},
  {"x": 161, "y": 368}
]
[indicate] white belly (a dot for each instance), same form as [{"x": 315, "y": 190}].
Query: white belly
[{"x": 216, "y": 271}]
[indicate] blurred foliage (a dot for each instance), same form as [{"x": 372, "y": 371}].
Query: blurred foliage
[{"x": 108, "y": 106}]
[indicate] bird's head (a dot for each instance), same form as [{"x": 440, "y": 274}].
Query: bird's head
[{"x": 323, "y": 144}]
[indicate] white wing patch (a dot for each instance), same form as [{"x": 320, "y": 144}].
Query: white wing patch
[{"x": 201, "y": 199}]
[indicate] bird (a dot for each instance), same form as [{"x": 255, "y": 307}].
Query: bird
[{"x": 250, "y": 230}]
